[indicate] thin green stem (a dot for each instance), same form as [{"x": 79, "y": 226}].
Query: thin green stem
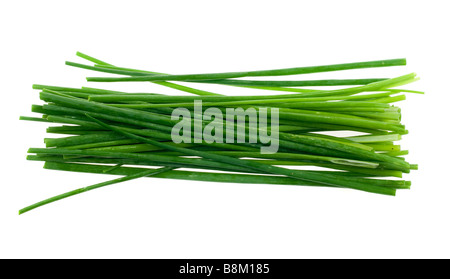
[
  {"x": 92, "y": 187},
  {"x": 293, "y": 83},
  {"x": 106, "y": 67},
  {"x": 277, "y": 72}
]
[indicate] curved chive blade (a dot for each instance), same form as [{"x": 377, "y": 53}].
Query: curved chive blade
[
  {"x": 108, "y": 68},
  {"x": 92, "y": 187},
  {"x": 276, "y": 72}
]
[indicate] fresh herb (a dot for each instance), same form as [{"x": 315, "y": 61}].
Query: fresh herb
[{"x": 106, "y": 131}]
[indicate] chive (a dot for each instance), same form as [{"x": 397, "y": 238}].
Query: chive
[
  {"x": 398, "y": 153},
  {"x": 70, "y": 120},
  {"x": 380, "y": 85},
  {"x": 277, "y": 72},
  {"x": 282, "y": 89},
  {"x": 272, "y": 102},
  {"x": 92, "y": 187},
  {"x": 67, "y": 129},
  {"x": 132, "y": 72},
  {"x": 27, "y": 118},
  {"x": 292, "y": 156},
  {"x": 293, "y": 83},
  {"x": 176, "y": 99},
  {"x": 257, "y": 99},
  {"x": 379, "y": 115},
  {"x": 87, "y": 90},
  {"x": 184, "y": 175},
  {"x": 376, "y": 138},
  {"x": 92, "y": 59},
  {"x": 82, "y": 139},
  {"x": 102, "y": 144},
  {"x": 130, "y": 147},
  {"x": 384, "y": 147},
  {"x": 390, "y": 99}
]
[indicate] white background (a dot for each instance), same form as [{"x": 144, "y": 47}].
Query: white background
[{"x": 152, "y": 218}]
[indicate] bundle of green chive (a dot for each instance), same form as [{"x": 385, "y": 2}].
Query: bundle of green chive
[{"x": 103, "y": 131}]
